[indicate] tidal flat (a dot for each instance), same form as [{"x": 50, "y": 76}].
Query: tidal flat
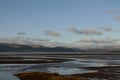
[{"x": 89, "y": 66}]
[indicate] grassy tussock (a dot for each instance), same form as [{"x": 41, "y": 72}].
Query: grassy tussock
[{"x": 46, "y": 76}]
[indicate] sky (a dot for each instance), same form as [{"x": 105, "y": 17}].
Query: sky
[{"x": 60, "y": 22}]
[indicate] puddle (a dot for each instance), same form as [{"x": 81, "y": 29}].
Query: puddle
[{"x": 68, "y": 71}]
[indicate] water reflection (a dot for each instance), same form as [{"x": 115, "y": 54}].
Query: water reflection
[{"x": 67, "y": 71}]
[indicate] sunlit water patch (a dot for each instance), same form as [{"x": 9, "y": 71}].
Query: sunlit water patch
[{"x": 67, "y": 71}]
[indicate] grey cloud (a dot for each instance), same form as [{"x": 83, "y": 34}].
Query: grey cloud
[
  {"x": 117, "y": 18},
  {"x": 62, "y": 44},
  {"x": 90, "y": 32},
  {"x": 74, "y": 30},
  {"x": 21, "y": 33},
  {"x": 108, "y": 29},
  {"x": 113, "y": 11},
  {"x": 116, "y": 13},
  {"x": 37, "y": 39},
  {"x": 34, "y": 42},
  {"x": 24, "y": 40},
  {"x": 85, "y": 31},
  {"x": 46, "y": 42},
  {"x": 52, "y": 33}
]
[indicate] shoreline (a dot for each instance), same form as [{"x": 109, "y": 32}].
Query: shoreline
[
  {"x": 104, "y": 72},
  {"x": 46, "y": 76},
  {"x": 59, "y": 53},
  {"x": 110, "y": 74}
]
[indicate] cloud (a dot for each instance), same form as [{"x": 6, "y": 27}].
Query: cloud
[
  {"x": 34, "y": 42},
  {"x": 52, "y": 33},
  {"x": 85, "y": 31},
  {"x": 24, "y": 40},
  {"x": 96, "y": 43},
  {"x": 38, "y": 39},
  {"x": 90, "y": 32},
  {"x": 107, "y": 29},
  {"x": 74, "y": 30},
  {"x": 117, "y": 18},
  {"x": 84, "y": 43},
  {"x": 113, "y": 11},
  {"x": 19, "y": 40},
  {"x": 21, "y": 33}
]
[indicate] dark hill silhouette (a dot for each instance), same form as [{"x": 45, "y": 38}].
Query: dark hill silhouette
[{"x": 20, "y": 48}]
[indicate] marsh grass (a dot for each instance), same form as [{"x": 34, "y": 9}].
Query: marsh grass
[{"x": 46, "y": 76}]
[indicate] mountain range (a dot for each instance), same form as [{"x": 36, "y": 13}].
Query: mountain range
[{"x": 7, "y": 47}]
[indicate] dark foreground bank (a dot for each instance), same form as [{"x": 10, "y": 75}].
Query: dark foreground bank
[{"x": 46, "y": 76}]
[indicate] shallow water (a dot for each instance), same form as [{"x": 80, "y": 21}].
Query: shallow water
[
  {"x": 73, "y": 66},
  {"x": 68, "y": 71},
  {"x": 7, "y": 76}
]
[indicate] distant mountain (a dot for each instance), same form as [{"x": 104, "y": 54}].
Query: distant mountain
[{"x": 5, "y": 47}]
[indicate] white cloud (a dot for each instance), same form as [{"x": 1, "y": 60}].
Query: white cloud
[
  {"x": 96, "y": 43},
  {"x": 12, "y": 40},
  {"x": 24, "y": 40}
]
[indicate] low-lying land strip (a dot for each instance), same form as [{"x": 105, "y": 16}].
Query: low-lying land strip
[
  {"x": 20, "y": 60},
  {"x": 46, "y": 76}
]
